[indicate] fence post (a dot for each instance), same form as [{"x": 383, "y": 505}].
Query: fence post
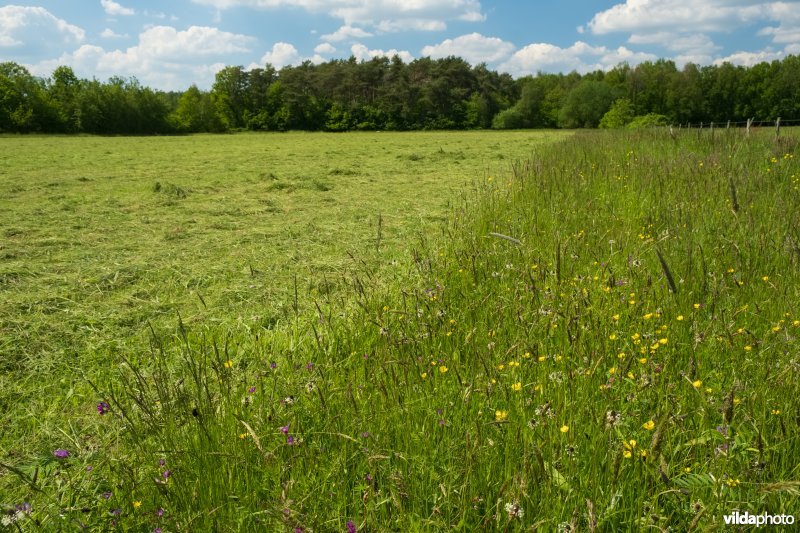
[
  {"x": 778, "y": 127},
  {"x": 728, "y": 126},
  {"x": 749, "y": 123}
]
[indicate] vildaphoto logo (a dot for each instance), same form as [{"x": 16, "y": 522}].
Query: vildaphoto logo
[{"x": 746, "y": 519}]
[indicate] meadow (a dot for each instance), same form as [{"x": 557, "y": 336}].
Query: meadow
[{"x": 400, "y": 332}]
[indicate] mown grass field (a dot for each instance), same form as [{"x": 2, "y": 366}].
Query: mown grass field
[{"x": 601, "y": 336}]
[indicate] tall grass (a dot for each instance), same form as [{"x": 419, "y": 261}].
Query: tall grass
[{"x": 603, "y": 338}]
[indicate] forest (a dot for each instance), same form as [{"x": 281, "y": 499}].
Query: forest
[{"x": 388, "y": 94}]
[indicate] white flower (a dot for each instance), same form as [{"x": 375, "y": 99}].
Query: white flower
[{"x": 514, "y": 510}]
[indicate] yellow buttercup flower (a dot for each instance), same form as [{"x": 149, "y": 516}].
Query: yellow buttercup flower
[
  {"x": 649, "y": 425},
  {"x": 564, "y": 429},
  {"x": 228, "y": 364},
  {"x": 697, "y": 384},
  {"x": 500, "y": 416},
  {"x": 517, "y": 386},
  {"x": 443, "y": 369},
  {"x": 137, "y": 504}
]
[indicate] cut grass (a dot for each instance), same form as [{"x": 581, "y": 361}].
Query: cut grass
[{"x": 105, "y": 237}]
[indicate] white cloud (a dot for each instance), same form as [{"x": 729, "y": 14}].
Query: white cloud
[
  {"x": 396, "y": 15},
  {"x": 748, "y": 59},
  {"x": 580, "y": 57},
  {"x": 474, "y": 47},
  {"x": 687, "y": 15},
  {"x": 281, "y": 55},
  {"x": 108, "y": 33},
  {"x": 363, "y": 53},
  {"x": 116, "y": 10},
  {"x": 34, "y": 30},
  {"x": 346, "y": 32},
  {"x": 164, "y": 57},
  {"x": 325, "y": 48},
  {"x": 411, "y": 25},
  {"x": 690, "y": 48}
]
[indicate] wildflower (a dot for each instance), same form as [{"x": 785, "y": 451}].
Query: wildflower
[
  {"x": 443, "y": 369},
  {"x": 697, "y": 384},
  {"x": 251, "y": 390},
  {"x": 643, "y": 360},
  {"x": 107, "y": 495},
  {"x": 61, "y": 453},
  {"x": 564, "y": 428},
  {"x": 696, "y": 306},
  {"x": 424, "y": 375},
  {"x": 776, "y": 411},
  {"x": 643, "y": 453},
  {"x": 285, "y": 429},
  {"x": 103, "y": 408},
  {"x": 731, "y": 482},
  {"x": 273, "y": 365},
  {"x": 765, "y": 278},
  {"x": 627, "y": 454},
  {"x": 351, "y": 527},
  {"x": 612, "y": 419},
  {"x": 615, "y": 318},
  {"x": 137, "y": 504},
  {"x": 309, "y": 366},
  {"x": 516, "y": 386},
  {"x": 501, "y": 366},
  {"x": 500, "y": 416},
  {"x": 242, "y": 436},
  {"x": 290, "y": 440},
  {"x": 514, "y": 510},
  {"x": 649, "y": 425},
  {"x": 228, "y": 364},
  {"x": 748, "y": 348},
  {"x": 663, "y": 342}
]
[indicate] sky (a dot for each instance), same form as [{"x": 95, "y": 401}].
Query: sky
[{"x": 172, "y": 45}]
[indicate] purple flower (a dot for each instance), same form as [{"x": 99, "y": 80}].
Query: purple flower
[
  {"x": 290, "y": 440},
  {"x": 166, "y": 474},
  {"x": 368, "y": 478},
  {"x": 298, "y": 530},
  {"x": 351, "y": 527},
  {"x": 365, "y": 435},
  {"x": 273, "y": 365},
  {"x": 116, "y": 512},
  {"x": 89, "y": 468},
  {"x": 162, "y": 462},
  {"x": 25, "y": 507},
  {"x": 107, "y": 495},
  {"x": 61, "y": 453},
  {"x": 251, "y": 390},
  {"x": 103, "y": 408},
  {"x": 285, "y": 429},
  {"x": 160, "y": 512},
  {"x": 157, "y": 530},
  {"x": 310, "y": 366}
]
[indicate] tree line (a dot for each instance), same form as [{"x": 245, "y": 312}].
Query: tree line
[{"x": 388, "y": 94}]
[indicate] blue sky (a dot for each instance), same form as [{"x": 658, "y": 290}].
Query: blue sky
[{"x": 171, "y": 45}]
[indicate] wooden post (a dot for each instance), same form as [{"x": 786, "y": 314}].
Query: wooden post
[
  {"x": 728, "y": 126},
  {"x": 749, "y": 124},
  {"x": 778, "y": 127}
]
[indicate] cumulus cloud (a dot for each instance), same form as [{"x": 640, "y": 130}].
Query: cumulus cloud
[
  {"x": 281, "y": 55},
  {"x": 33, "y": 31},
  {"x": 580, "y": 57},
  {"x": 748, "y": 59},
  {"x": 164, "y": 57},
  {"x": 116, "y": 10},
  {"x": 108, "y": 33},
  {"x": 473, "y": 47},
  {"x": 690, "y": 48},
  {"x": 389, "y": 15},
  {"x": 363, "y": 53},
  {"x": 346, "y": 32},
  {"x": 325, "y": 48},
  {"x": 688, "y": 15}
]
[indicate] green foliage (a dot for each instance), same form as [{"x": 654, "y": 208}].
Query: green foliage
[
  {"x": 649, "y": 120},
  {"x": 619, "y": 116},
  {"x": 585, "y": 105},
  {"x": 387, "y": 94}
]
